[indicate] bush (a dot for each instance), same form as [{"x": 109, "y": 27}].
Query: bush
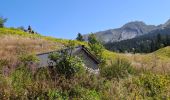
[
  {"x": 96, "y": 47},
  {"x": 120, "y": 68},
  {"x": 56, "y": 95},
  {"x": 21, "y": 78},
  {"x": 4, "y": 88},
  {"x": 84, "y": 94},
  {"x": 46, "y": 94},
  {"x": 42, "y": 74},
  {"x": 154, "y": 85},
  {"x": 67, "y": 65},
  {"x": 2, "y": 64},
  {"x": 28, "y": 58}
]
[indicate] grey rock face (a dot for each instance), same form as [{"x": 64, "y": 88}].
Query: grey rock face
[
  {"x": 167, "y": 24},
  {"x": 128, "y": 31}
]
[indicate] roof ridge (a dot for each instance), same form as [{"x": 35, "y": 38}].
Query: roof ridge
[{"x": 59, "y": 50}]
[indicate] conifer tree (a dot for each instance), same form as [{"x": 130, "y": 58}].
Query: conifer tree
[
  {"x": 79, "y": 37},
  {"x": 2, "y": 21}
]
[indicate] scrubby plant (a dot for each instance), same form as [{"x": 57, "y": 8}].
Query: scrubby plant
[
  {"x": 28, "y": 58},
  {"x": 119, "y": 68},
  {"x": 38, "y": 90},
  {"x": 154, "y": 85},
  {"x": 66, "y": 64},
  {"x": 42, "y": 74},
  {"x": 4, "y": 88},
  {"x": 84, "y": 94},
  {"x": 57, "y": 95},
  {"x": 2, "y": 64},
  {"x": 20, "y": 79},
  {"x": 96, "y": 47},
  {"x": 54, "y": 56}
]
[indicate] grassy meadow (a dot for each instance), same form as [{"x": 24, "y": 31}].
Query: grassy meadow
[{"x": 147, "y": 77}]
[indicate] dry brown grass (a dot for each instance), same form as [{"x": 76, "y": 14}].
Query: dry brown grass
[
  {"x": 11, "y": 46},
  {"x": 150, "y": 62}
]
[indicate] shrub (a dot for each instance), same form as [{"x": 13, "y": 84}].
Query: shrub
[
  {"x": 96, "y": 47},
  {"x": 120, "y": 68},
  {"x": 4, "y": 88},
  {"x": 2, "y": 64},
  {"x": 27, "y": 58},
  {"x": 154, "y": 85},
  {"x": 42, "y": 74},
  {"x": 67, "y": 65},
  {"x": 84, "y": 94},
  {"x": 38, "y": 90},
  {"x": 21, "y": 78},
  {"x": 56, "y": 95},
  {"x": 46, "y": 94},
  {"x": 54, "y": 56}
]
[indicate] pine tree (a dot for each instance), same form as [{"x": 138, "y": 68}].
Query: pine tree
[
  {"x": 2, "y": 21},
  {"x": 152, "y": 47},
  {"x": 167, "y": 40},
  {"x": 29, "y": 28},
  {"x": 79, "y": 37},
  {"x": 159, "y": 38}
]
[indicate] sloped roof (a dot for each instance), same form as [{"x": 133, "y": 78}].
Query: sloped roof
[{"x": 82, "y": 48}]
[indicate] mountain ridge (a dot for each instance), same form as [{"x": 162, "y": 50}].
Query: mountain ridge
[{"x": 127, "y": 31}]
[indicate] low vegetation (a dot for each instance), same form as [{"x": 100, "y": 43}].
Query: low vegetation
[
  {"x": 122, "y": 76},
  {"x": 118, "y": 69}
]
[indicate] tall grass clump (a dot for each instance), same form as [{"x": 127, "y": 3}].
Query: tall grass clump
[
  {"x": 120, "y": 68},
  {"x": 154, "y": 85}
]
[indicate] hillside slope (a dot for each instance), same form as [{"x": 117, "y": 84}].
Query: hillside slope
[
  {"x": 13, "y": 42},
  {"x": 19, "y": 81},
  {"x": 163, "y": 53}
]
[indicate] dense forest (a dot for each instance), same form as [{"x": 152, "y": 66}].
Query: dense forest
[{"x": 143, "y": 44}]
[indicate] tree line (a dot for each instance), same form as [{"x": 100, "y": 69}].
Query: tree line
[{"x": 144, "y": 44}]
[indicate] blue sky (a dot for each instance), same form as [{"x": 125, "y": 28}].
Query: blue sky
[{"x": 65, "y": 18}]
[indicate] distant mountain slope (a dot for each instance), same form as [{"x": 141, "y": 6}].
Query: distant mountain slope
[
  {"x": 167, "y": 24},
  {"x": 145, "y": 43},
  {"x": 128, "y": 31}
]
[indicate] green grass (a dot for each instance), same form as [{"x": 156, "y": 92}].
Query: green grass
[
  {"x": 13, "y": 31},
  {"x": 110, "y": 55},
  {"x": 136, "y": 86},
  {"x": 163, "y": 53}
]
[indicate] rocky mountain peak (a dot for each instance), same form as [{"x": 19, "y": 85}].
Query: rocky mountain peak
[
  {"x": 128, "y": 31},
  {"x": 134, "y": 24},
  {"x": 167, "y": 24}
]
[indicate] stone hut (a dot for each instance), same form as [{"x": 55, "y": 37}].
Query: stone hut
[{"x": 91, "y": 63}]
